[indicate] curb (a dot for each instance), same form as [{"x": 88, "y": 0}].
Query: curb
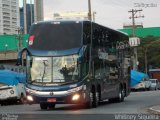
[{"x": 153, "y": 110}]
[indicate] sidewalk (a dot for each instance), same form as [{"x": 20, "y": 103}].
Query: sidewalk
[{"x": 154, "y": 109}]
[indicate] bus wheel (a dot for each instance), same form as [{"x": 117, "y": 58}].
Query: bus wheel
[
  {"x": 93, "y": 100},
  {"x": 120, "y": 97},
  {"x": 97, "y": 98},
  {"x": 43, "y": 106},
  {"x": 51, "y": 106},
  {"x": 89, "y": 104}
]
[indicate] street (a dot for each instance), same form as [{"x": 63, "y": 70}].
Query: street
[{"x": 136, "y": 103}]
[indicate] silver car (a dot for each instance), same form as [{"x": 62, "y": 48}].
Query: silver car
[{"x": 155, "y": 84}]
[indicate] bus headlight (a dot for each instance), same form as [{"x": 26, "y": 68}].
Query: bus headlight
[
  {"x": 12, "y": 91},
  {"x": 75, "y": 97},
  {"x": 29, "y": 98}
]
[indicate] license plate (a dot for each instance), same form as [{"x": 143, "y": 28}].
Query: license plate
[{"x": 51, "y": 100}]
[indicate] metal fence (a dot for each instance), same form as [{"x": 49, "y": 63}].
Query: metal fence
[{"x": 18, "y": 69}]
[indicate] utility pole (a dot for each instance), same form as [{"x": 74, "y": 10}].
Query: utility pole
[
  {"x": 19, "y": 37},
  {"x": 133, "y": 16},
  {"x": 146, "y": 60},
  {"x": 89, "y": 10},
  {"x": 94, "y": 16},
  {"x": 25, "y": 17}
]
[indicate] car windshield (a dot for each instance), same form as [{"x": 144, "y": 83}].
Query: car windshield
[
  {"x": 153, "y": 81},
  {"x": 52, "y": 69}
]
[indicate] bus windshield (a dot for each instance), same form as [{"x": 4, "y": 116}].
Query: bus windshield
[
  {"x": 56, "y": 36},
  {"x": 52, "y": 69}
]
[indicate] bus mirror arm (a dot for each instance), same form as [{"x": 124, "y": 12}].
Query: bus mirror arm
[
  {"x": 19, "y": 57},
  {"x": 19, "y": 61},
  {"x": 80, "y": 60}
]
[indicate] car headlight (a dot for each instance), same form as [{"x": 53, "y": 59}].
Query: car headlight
[
  {"x": 30, "y": 98},
  {"x": 12, "y": 91}
]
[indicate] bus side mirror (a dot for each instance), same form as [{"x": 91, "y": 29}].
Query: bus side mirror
[
  {"x": 80, "y": 60},
  {"x": 84, "y": 55},
  {"x": 19, "y": 58}
]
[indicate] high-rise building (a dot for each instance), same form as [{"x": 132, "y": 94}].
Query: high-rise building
[
  {"x": 9, "y": 16},
  {"x": 38, "y": 10},
  {"x": 29, "y": 8}
]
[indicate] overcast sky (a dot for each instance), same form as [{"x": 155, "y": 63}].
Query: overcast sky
[{"x": 111, "y": 13}]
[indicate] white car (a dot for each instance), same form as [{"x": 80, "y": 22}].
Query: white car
[
  {"x": 155, "y": 84},
  {"x": 12, "y": 87},
  {"x": 139, "y": 86},
  {"x": 142, "y": 85},
  {"x": 12, "y": 92}
]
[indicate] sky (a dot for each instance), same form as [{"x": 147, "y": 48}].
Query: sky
[{"x": 110, "y": 13}]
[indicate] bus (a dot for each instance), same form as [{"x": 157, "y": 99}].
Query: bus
[{"x": 76, "y": 62}]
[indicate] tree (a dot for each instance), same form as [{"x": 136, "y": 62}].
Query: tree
[{"x": 148, "y": 53}]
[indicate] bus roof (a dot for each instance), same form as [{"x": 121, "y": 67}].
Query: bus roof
[
  {"x": 49, "y": 38},
  {"x": 81, "y": 21}
]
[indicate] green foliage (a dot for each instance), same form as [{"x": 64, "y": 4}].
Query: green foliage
[{"x": 151, "y": 46}]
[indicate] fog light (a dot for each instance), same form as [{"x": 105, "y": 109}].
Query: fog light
[
  {"x": 75, "y": 97},
  {"x": 12, "y": 91},
  {"x": 29, "y": 98}
]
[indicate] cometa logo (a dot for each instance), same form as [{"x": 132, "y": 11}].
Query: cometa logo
[
  {"x": 31, "y": 40},
  {"x": 122, "y": 45},
  {"x": 51, "y": 93}
]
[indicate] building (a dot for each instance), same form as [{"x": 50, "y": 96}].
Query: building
[
  {"x": 38, "y": 10},
  {"x": 9, "y": 16},
  {"x": 70, "y": 15},
  {"x": 154, "y": 74},
  {"x": 29, "y": 8}
]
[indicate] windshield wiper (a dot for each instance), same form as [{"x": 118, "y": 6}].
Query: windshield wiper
[
  {"x": 65, "y": 83},
  {"x": 44, "y": 71}
]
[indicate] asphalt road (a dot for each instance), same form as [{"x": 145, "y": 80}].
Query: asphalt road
[{"x": 135, "y": 104}]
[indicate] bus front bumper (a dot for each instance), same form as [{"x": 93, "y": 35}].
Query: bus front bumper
[{"x": 77, "y": 97}]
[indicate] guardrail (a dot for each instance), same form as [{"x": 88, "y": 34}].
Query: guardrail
[{"x": 18, "y": 69}]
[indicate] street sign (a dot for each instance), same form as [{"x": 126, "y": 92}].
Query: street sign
[{"x": 134, "y": 41}]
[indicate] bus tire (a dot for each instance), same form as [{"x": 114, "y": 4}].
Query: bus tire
[
  {"x": 121, "y": 94},
  {"x": 43, "y": 106},
  {"x": 99, "y": 94},
  {"x": 89, "y": 104},
  {"x": 93, "y": 100}
]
